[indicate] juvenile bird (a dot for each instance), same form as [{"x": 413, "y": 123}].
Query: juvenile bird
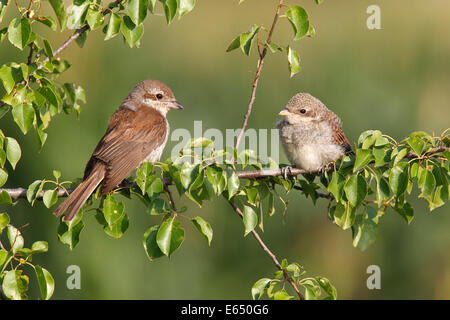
[
  {"x": 137, "y": 132},
  {"x": 311, "y": 134}
]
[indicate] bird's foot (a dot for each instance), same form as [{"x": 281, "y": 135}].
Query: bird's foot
[{"x": 285, "y": 171}]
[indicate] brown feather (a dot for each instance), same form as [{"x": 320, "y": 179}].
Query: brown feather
[
  {"x": 79, "y": 196},
  {"x": 121, "y": 149}
]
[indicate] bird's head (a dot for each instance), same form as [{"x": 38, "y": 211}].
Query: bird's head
[
  {"x": 302, "y": 108},
  {"x": 154, "y": 94}
]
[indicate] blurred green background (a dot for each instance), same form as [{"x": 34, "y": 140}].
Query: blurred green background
[{"x": 396, "y": 79}]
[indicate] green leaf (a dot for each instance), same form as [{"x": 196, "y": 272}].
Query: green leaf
[
  {"x": 371, "y": 139},
  {"x": 70, "y": 234},
  {"x": 150, "y": 245},
  {"x": 274, "y": 47},
  {"x": 81, "y": 40},
  {"x": 344, "y": 215},
  {"x": 115, "y": 217},
  {"x": 113, "y": 28},
  {"x": 188, "y": 173},
  {"x": 49, "y": 95},
  {"x": 250, "y": 219},
  {"x": 77, "y": 15},
  {"x": 48, "y": 21},
  {"x": 406, "y": 211},
  {"x": 310, "y": 294},
  {"x": 204, "y": 228},
  {"x": 5, "y": 198},
  {"x": 318, "y": 1},
  {"x": 236, "y": 43},
  {"x": 19, "y": 32},
  {"x": 186, "y": 6},
  {"x": 381, "y": 141},
  {"x": 355, "y": 190},
  {"x": 246, "y": 39},
  {"x": 33, "y": 190},
  {"x": 381, "y": 155},
  {"x": 3, "y": 257},
  {"x": 417, "y": 144},
  {"x": 169, "y": 236},
  {"x": 4, "y": 221},
  {"x": 364, "y": 230},
  {"x": 215, "y": 175},
  {"x": 151, "y": 6},
  {"x": 46, "y": 282},
  {"x": 259, "y": 287},
  {"x": 39, "y": 247},
  {"x": 428, "y": 182},
  {"x": 293, "y": 61},
  {"x": 15, "y": 285},
  {"x": 383, "y": 190},
  {"x": 299, "y": 20},
  {"x": 233, "y": 183},
  {"x": 363, "y": 157},
  {"x": 57, "y": 174},
  {"x": 137, "y": 10},
  {"x": 131, "y": 32},
  {"x": 158, "y": 206},
  {"x": 398, "y": 178},
  {"x": 60, "y": 11},
  {"x": 15, "y": 238},
  {"x": 325, "y": 284},
  {"x": 3, "y": 5},
  {"x": 399, "y": 152},
  {"x": 282, "y": 295},
  {"x": 3, "y": 176},
  {"x": 50, "y": 197},
  {"x": 23, "y": 115},
  {"x": 2, "y": 156},
  {"x": 94, "y": 18},
  {"x": 48, "y": 50},
  {"x": 7, "y": 78},
  {"x": 13, "y": 151},
  {"x": 336, "y": 185},
  {"x": 143, "y": 175},
  {"x": 170, "y": 9}
]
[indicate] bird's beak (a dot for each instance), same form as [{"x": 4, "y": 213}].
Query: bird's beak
[
  {"x": 284, "y": 113},
  {"x": 176, "y": 105}
]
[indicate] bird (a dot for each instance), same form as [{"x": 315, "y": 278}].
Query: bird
[
  {"x": 311, "y": 134},
  {"x": 137, "y": 132}
]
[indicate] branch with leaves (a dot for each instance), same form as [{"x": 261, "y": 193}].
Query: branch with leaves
[{"x": 360, "y": 188}]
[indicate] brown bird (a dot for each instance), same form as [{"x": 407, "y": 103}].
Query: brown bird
[
  {"x": 311, "y": 134},
  {"x": 137, "y": 132}
]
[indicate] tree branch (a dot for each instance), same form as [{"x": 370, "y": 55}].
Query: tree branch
[
  {"x": 17, "y": 193},
  {"x": 69, "y": 41},
  {"x": 258, "y": 73},
  {"x": 269, "y": 253}
]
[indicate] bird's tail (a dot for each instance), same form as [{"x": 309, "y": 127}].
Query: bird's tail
[{"x": 79, "y": 196}]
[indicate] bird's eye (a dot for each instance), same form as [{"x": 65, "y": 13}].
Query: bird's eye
[
  {"x": 159, "y": 96},
  {"x": 303, "y": 111}
]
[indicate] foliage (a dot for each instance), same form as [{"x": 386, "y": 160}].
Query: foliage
[{"x": 381, "y": 174}]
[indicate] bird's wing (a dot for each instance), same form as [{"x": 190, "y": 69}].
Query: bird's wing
[
  {"x": 338, "y": 135},
  {"x": 129, "y": 139}
]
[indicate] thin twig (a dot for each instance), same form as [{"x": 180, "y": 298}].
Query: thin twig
[
  {"x": 258, "y": 73},
  {"x": 270, "y": 254},
  {"x": 82, "y": 30},
  {"x": 172, "y": 202}
]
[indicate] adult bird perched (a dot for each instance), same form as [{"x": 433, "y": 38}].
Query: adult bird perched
[
  {"x": 137, "y": 132},
  {"x": 311, "y": 134}
]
